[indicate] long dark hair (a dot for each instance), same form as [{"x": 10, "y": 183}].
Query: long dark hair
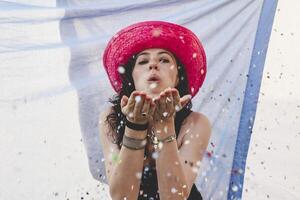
[{"x": 116, "y": 118}]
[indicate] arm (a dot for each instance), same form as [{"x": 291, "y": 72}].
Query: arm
[
  {"x": 197, "y": 132},
  {"x": 124, "y": 166},
  {"x": 126, "y": 178},
  {"x": 172, "y": 182}
]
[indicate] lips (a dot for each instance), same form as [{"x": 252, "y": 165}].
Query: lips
[{"x": 153, "y": 78}]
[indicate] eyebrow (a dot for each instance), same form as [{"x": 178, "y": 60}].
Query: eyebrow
[{"x": 146, "y": 53}]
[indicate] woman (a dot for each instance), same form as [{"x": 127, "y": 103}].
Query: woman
[{"x": 158, "y": 142}]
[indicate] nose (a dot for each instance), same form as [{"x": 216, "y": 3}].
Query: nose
[{"x": 153, "y": 66}]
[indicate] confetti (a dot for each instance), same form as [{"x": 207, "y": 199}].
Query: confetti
[
  {"x": 130, "y": 114},
  {"x": 138, "y": 99},
  {"x": 160, "y": 145},
  {"x": 186, "y": 142},
  {"x": 121, "y": 69},
  {"x": 115, "y": 158},
  {"x": 155, "y": 155},
  {"x": 165, "y": 114},
  {"x": 165, "y": 129},
  {"x": 192, "y": 89},
  {"x": 153, "y": 85},
  {"x": 173, "y": 190},
  {"x": 156, "y": 32},
  {"x": 194, "y": 55},
  {"x": 138, "y": 175},
  {"x": 234, "y": 188}
]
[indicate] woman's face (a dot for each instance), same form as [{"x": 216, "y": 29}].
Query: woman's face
[{"x": 155, "y": 70}]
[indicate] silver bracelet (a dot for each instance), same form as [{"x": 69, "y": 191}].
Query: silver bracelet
[{"x": 168, "y": 139}]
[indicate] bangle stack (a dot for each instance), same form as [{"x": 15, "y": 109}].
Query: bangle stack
[
  {"x": 136, "y": 144},
  {"x": 133, "y": 143}
]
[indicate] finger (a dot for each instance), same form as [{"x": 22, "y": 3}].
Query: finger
[
  {"x": 176, "y": 98},
  {"x": 152, "y": 109},
  {"x": 146, "y": 106},
  {"x": 157, "y": 111},
  {"x": 131, "y": 100},
  {"x": 124, "y": 101},
  {"x": 169, "y": 103},
  {"x": 138, "y": 105},
  {"x": 185, "y": 99},
  {"x": 162, "y": 102}
]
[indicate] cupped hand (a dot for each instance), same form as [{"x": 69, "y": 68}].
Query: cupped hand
[
  {"x": 138, "y": 108},
  {"x": 168, "y": 103}
]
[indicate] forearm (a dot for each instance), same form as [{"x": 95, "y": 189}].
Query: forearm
[
  {"x": 171, "y": 179},
  {"x": 125, "y": 179}
]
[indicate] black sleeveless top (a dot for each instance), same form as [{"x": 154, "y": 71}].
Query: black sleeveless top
[{"x": 149, "y": 185}]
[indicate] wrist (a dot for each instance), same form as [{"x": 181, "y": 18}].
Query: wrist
[
  {"x": 164, "y": 129},
  {"x": 138, "y": 134}
]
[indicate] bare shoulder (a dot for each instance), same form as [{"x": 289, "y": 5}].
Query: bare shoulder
[
  {"x": 195, "y": 121},
  {"x": 104, "y": 128},
  {"x": 104, "y": 113},
  {"x": 197, "y": 117}
]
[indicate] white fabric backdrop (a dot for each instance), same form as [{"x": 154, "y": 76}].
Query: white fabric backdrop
[{"x": 54, "y": 86}]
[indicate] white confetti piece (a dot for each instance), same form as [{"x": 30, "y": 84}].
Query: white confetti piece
[
  {"x": 155, "y": 155},
  {"x": 165, "y": 129},
  {"x": 138, "y": 175},
  {"x": 160, "y": 145},
  {"x": 137, "y": 99},
  {"x": 168, "y": 100},
  {"x": 153, "y": 85},
  {"x": 195, "y": 170},
  {"x": 173, "y": 190},
  {"x": 234, "y": 188},
  {"x": 194, "y": 55},
  {"x": 165, "y": 114},
  {"x": 202, "y": 71},
  {"x": 186, "y": 142},
  {"x": 121, "y": 69},
  {"x": 130, "y": 114}
]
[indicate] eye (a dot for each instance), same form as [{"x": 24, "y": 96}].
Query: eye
[
  {"x": 142, "y": 62},
  {"x": 164, "y": 60}
]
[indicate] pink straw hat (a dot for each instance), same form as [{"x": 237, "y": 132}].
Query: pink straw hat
[{"x": 177, "y": 39}]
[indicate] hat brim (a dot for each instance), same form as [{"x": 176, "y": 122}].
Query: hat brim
[{"x": 177, "y": 39}]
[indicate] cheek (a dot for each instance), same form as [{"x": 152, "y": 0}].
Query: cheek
[
  {"x": 171, "y": 73},
  {"x": 138, "y": 75}
]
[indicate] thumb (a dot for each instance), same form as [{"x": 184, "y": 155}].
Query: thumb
[
  {"x": 124, "y": 101},
  {"x": 185, "y": 99}
]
